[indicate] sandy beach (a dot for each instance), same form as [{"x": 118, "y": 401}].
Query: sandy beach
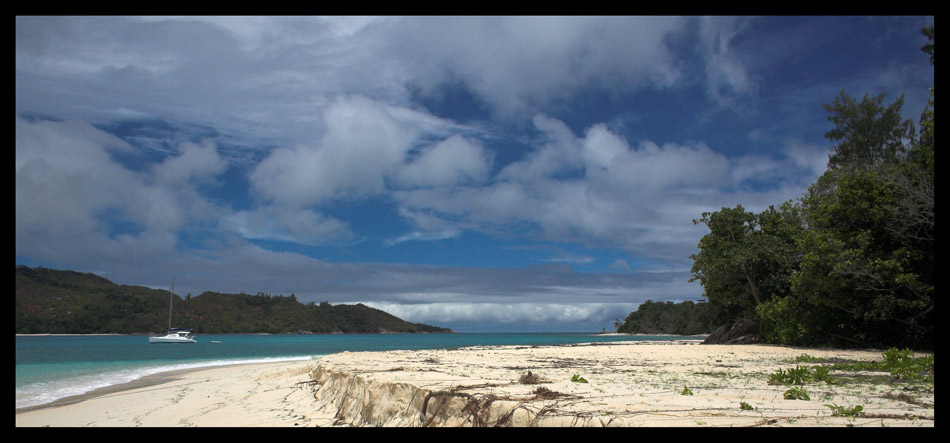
[{"x": 665, "y": 384}]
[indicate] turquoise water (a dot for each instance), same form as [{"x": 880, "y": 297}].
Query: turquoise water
[{"x": 49, "y": 368}]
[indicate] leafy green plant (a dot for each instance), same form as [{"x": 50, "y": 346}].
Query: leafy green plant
[
  {"x": 686, "y": 391},
  {"x": 822, "y": 373},
  {"x": 796, "y": 393},
  {"x": 901, "y": 364},
  {"x": 805, "y": 358},
  {"x": 843, "y": 411},
  {"x": 745, "y": 406},
  {"x": 797, "y": 376},
  {"x": 578, "y": 379},
  {"x": 803, "y": 374}
]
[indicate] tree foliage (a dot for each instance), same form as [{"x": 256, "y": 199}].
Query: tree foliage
[
  {"x": 866, "y": 132},
  {"x": 686, "y": 318},
  {"x": 747, "y": 258},
  {"x": 850, "y": 263}
]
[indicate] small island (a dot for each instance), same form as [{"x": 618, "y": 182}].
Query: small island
[{"x": 50, "y": 301}]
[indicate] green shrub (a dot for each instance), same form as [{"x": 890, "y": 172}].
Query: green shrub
[
  {"x": 796, "y": 393},
  {"x": 822, "y": 373},
  {"x": 797, "y": 376},
  {"x": 801, "y": 375},
  {"x": 842, "y": 411},
  {"x": 805, "y": 358},
  {"x": 901, "y": 364},
  {"x": 785, "y": 320}
]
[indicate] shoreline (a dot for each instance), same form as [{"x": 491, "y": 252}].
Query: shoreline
[
  {"x": 628, "y": 384},
  {"x": 150, "y": 376},
  {"x": 34, "y": 394},
  {"x": 143, "y": 382}
]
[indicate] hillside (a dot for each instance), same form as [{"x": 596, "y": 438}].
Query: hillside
[
  {"x": 685, "y": 318},
  {"x": 69, "y": 302}
]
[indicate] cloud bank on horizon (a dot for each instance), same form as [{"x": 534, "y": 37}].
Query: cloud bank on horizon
[{"x": 480, "y": 173}]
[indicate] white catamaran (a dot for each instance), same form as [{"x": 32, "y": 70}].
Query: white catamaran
[{"x": 175, "y": 335}]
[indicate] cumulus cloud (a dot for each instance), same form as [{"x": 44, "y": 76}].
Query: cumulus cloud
[
  {"x": 453, "y": 161},
  {"x": 369, "y": 149},
  {"x": 595, "y": 189},
  {"x": 668, "y": 167},
  {"x": 197, "y": 163},
  {"x": 559, "y": 154},
  {"x": 72, "y": 192},
  {"x": 362, "y": 144},
  {"x": 66, "y": 177},
  {"x": 265, "y": 77},
  {"x": 520, "y": 64}
]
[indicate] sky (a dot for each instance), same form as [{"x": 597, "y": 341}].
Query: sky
[{"x": 487, "y": 174}]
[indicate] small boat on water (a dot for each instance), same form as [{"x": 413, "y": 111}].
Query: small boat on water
[{"x": 175, "y": 335}]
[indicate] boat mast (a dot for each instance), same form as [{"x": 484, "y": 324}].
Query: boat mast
[{"x": 171, "y": 295}]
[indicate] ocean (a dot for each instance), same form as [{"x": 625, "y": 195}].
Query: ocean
[{"x": 49, "y": 368}]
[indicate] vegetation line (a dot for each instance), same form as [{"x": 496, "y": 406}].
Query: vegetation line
[{"x": 849, "y": 264}]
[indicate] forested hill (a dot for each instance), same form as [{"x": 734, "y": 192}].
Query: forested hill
[
  {"x": 686, "y": 318},
  {"x": 69, "y": 302}
]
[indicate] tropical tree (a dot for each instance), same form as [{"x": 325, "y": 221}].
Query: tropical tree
[
  {"x": 866, "y": 132},
  {"x": 866, "y": 272},
  {"x": 852, "y": 262},
  {"x": 746, "y": 258}
]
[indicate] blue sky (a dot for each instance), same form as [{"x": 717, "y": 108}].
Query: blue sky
[{"x": 480, "y": 173}]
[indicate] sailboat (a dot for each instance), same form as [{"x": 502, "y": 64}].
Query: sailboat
[{"x": 175, "y": 335}]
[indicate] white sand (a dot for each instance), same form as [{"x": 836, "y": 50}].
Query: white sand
[{"x": 628, "y": 384}]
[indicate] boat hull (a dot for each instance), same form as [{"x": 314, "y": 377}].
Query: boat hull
[{"x": 171, "y": 339}]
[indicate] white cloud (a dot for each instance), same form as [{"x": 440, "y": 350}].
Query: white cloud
[
  {"x": 71, "y": 194},
  {"x": 65, "y": 177},
  {"x": 197, "y": 163},
  {"x": 810, "y": 157},
  {"x": 265, "y": 77},
  {"x": 600, "y": 191},
  {"x": 362, "y": 144},
  {"x": 514, "y": 317},
  {"x": 596, "y": 189},
  {"x": 726, "y": 75},
  {"x": 559, "y": 154},
  {"x": 288, "y": 224},
  {"x": 421, "y": 236},
  {"x": 506, "y": 313},
  {"x": 520, "y": 64},
  {"x": 453, "y": 161},
  {"x": 669, "y": 167}
]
